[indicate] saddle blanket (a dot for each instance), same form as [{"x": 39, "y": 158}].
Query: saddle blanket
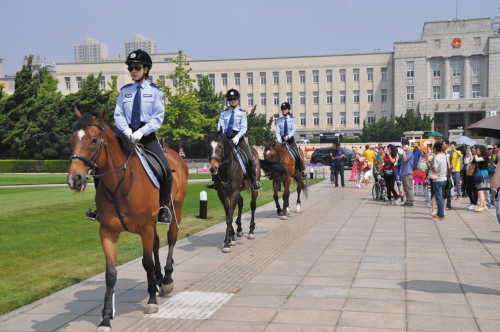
[
  {"x": 148, "y": 170},
  {"x": 290, "y": 151},
  {"x": 242, "y": 164}
]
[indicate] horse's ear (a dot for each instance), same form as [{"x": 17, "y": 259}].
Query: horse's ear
[
  {"x": 274, "y": 144},
  {"x": 265, "y": 144},
  {"x": 77, "y": 112},
  {"x": 220, "y": 131},
  {"x": 103, "y": 113}
]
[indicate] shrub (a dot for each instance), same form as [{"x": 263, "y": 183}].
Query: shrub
[{"x": 34, "y": 166}]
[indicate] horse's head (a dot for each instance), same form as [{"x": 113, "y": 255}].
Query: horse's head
[
  {"x": 215, "y": 145},
  {"x": 272, "y": 151},
  {"x": 86, "y": 142}
]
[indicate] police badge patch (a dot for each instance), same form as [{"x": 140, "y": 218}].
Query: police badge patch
[{"x": 132, "y": 55}]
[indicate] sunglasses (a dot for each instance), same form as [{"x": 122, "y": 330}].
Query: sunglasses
[
  {"x": 136, "y": 67},
  {"x": 232, "y": 98}
]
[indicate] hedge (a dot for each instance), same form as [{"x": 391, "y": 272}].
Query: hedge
[{"x": 34, "y": 166}]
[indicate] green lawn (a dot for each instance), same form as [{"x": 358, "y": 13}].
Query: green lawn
[{"x": 47, "y": 244}]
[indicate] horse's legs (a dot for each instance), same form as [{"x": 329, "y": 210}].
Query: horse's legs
[
  {"x": 253, "y": 206},
  {"x": 229, "y": 221},
  {"x": 299, "y": 190},
  {"x": 147, "y": 237},
  {"x": 156, "y": 254},
  {"x": 286, "y": 198},
  {"x": 109, "y": 241},
  {"x": 239, "y": 230},
  {"x": 168, "y": 283},
  {"x": 276, "y": 187}
]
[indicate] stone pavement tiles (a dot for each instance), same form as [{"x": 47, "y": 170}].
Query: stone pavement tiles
[{"x": 346, "y": 263}]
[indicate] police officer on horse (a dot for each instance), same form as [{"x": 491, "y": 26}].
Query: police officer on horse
[
  {"x": 285, "y": 132},
  {"x": 139, "y": 113},
  {"x": 233, "y": 122}
]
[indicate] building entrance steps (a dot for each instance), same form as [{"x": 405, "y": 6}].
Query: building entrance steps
[{"x": 346, "y": 263}]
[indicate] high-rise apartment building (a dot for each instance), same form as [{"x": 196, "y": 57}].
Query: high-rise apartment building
[
  {"x": 90, "y": 50},
  {"x": 140, "y": 42},
  {"x": 495, "y": 25}
]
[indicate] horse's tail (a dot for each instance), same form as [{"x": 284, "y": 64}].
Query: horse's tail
[
  {"x": 273, "y": 169},
  {"x": 303, "y": 187}
]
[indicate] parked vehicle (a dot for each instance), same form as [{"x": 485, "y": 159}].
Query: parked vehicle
[
  {"x": 302, "y": 141},
  {"x": 322, "y": 157}
]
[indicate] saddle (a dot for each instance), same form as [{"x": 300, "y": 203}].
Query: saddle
[
  {"x": 242, "y": 158},
  {"x": 154, "y": 164}
]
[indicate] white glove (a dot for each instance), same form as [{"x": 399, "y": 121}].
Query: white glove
[
  {"x": 286, "y": 138},
  {"x": 136, "y": 137},
  {"x": 236, "y": 140},
  {"x": 278, "y": 139},
  {"x": 128, "y": 133}
]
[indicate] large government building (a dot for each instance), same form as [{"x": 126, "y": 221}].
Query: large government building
[{"x": 451, "y": 73}]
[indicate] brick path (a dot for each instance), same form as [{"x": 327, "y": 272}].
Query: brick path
[{"x": 346, "y": 263}]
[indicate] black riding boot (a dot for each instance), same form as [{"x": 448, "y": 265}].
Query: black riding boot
[
  {"x": 164, "y": 214},
  {"x": 212, "y": 185},
  {"x": 253, "y": 177},
  {"x": 303, "y": 173}
]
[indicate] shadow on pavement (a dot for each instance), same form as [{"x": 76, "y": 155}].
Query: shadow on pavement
[{"x": 435, "y": 286}]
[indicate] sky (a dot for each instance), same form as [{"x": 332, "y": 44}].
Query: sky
[{"x": 220, "y": 29}]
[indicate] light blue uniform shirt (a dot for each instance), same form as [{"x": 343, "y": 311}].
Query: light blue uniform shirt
[
  {"x": 152, "y": 107},
  {"x": 280, "y": 126},
  {"x": 240, "y": 121}
]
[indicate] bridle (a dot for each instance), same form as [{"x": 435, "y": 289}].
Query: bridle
[
  {"x": 223, "y": 162},
  {"x": 97, "y": 152}
]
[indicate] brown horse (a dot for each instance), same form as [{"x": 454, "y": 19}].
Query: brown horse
[
  {"x": 275, "y": 152},
  {"x": 126, "y": 201}
]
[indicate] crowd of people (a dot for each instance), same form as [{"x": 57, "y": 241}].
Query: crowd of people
[{"x": 451, "y": 173}]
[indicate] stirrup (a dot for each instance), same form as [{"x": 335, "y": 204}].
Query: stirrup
[
  {"x": 210, "y": 186},
  {"x": 256, "y": 186},
  {"x": 303, "y": 174},
  {"x": 92, "y": 215},
  {"x": 169, "y": 216}
]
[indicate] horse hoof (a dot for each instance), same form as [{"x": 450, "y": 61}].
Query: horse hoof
[
  {"x": 280, "y": 213},
  {"x": 232, "y": 243},
  {"x": 167, "y": 289},
  {"x": 239, "y": 234},
  {"x": 251, "y": 236},
  {"x": 298, "y": 209},
  {"x": 103, "y": 329},
  {"x": 151, "y": 308},
  {"x": 287, "y": 211},
  {"x": 226, "y": 250},
  {"x": 284, "y": 218}
]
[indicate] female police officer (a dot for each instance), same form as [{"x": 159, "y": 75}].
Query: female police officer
[
  {"x": 285, "y": 130},
  {"x": 139, "y": 113}
]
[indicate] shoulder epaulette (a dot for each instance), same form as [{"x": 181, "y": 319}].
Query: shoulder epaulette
[
  {"x": 243, "y": 110},
  {"x": 155, "y": 86},
  {"x": 126, "y": 85},
  {"x": 291, "y": 117}
]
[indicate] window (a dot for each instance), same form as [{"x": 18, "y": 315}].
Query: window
[
  {"x": 289, "y": 98},
  {"x": 342, "y": 75},
  {"x": 276, "y": 78},
  {"x": 288, "y": 77},
  {"x": 384, "y": 95},
  {"x": 384, "y": 114},
  {"x": 370, "y": 96},
  {"x": 226, "y": 103},
  {"x": 150, "y": 79},
  {"x": 199, "y": 78},
  {"x": 436, "y": 66},
  {"x": 383, "y": 71},
  {"x": 355, "y": 96},
  {"x": 315, "y": 98},
  {"x": 263, "y": 78},
  {"x": 103, "y": 82},
  {"x": 187, "y": 84},
  {"x": 329, "y": 97},
  {"x": 174, "y": 81},
  {"x": 342, "y": 97},
  {"x": 211, "y": 78},
  {"x": 409, "y": 68},
  {"x": 78, "y": 82},
  {"x": 436, "y": 91},
  {"x": 68, "y": 83},
  {"x": 302, "y": 98},
  {"x": 329, "y": 119},
  {"x": 302, "y": 76},
  {"x": 355, "y": 75},
  {"x": 409, "y": 93},
  {"x": 237, "y": 79},
  {"x": 455, "y": 63},
  {"x": 263, "y": 99},
  {"x": 456, "y": 92},
  {"x": 162, "y": 79},
  {"x": 315, "y": 76},
  {"x": 328, "y": 76},
  {"x": 250, "y": 99},
  {"x": 224, "y": 79},
  {"x": 369, "y": 117},
  {"x": 302, "y": 119},
  {"x": 276, "y": 117},
  {"x": 316, "y": 119},
  {"x": 276, "y": 99},
  {"x": 476, "y": 91},
  {"x": 356, "y": 118},
  {"x": 369, "y": 73},
  {"x": 476, "y": 67},
  {"x": 342, "y": 118},
  {"x": 250, "y": 78}
]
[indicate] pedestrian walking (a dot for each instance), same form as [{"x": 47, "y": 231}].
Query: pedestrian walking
[
  {"x": 354, "y": 169},
  {"x": 471, "y": 180},
  {"x": 390, "y": 174},
  {"x": 440, "y": 167},
  {"x": 407, "y": 172},
  {"x": 417, "y": 154},
  {"x": 482, "y": 178},
  {"x": 455, "y": 171},
  {"x": 338, "y": 157}
]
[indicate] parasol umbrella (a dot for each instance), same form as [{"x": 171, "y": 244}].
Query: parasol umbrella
[
  {"x": 489, "y": 126},
  {"x": 433, "y": 134},
  {"x": 467, "y": 140},
  {"x": 395, "y": 143}
]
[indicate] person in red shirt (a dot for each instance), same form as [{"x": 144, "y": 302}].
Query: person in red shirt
[{"x": 389, "y": 169}]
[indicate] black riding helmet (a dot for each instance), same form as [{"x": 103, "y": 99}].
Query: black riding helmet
[
  {"x": 232, "y": 93},
  {"x": 139, "y": 56},
  {"x": 285, "y": 106}
]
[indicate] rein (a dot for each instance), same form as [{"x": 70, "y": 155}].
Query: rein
[{"x": 223, "y": 162}]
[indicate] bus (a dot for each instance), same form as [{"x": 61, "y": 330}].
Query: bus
[{"x": 331, "y": 138}]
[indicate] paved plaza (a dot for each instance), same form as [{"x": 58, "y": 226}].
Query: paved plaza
[{"x": 346, "y": 263}]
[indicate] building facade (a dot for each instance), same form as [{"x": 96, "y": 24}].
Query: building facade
[
  {"x": 90, "y": 50},
  {"x": 140, "y": 42}
]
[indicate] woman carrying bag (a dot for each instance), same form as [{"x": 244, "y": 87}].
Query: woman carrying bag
[{"x": 390, "y": 174}]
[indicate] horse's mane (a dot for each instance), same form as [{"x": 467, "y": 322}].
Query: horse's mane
[
  {"x": 125, "y": 144},
  {"x": 269, "y": 145},
  {"x": 215, "y": 136}
]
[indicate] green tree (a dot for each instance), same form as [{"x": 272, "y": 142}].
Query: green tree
[
  {"x": 211, "y": 104},
  {"x": 113, "y": 98},
  {"x": 182, "y": 116},
  {"x": 259, "y": 129}
]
